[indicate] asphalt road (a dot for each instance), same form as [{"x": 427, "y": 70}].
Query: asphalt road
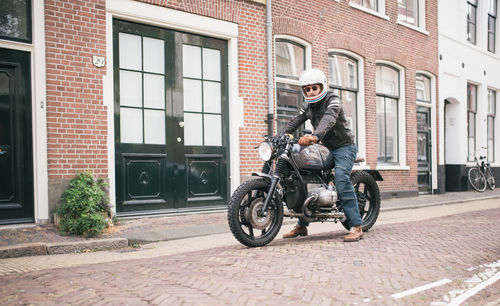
[{"x": 444, "y": 255}]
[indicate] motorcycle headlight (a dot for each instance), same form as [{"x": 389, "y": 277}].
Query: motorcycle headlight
[{"x": 265, "y": 151}]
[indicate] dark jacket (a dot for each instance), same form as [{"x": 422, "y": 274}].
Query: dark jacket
[{"x": 328, "y": 119}]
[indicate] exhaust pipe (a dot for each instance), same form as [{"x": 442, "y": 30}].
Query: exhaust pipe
[{"x": 340, "y": 216}]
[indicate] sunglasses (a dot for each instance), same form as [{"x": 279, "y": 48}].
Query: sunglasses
[{"x": 310, "y": 87}]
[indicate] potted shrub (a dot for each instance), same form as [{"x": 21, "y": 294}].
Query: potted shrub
[{"x": 84, "y": 208}]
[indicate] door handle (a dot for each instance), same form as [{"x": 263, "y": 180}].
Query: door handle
[{"x": 181, "y": 124}]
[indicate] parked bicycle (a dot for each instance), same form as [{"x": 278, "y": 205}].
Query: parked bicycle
[{"x": 481, "y": 174}]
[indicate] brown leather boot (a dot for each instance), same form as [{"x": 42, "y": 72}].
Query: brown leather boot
[
  {"x": 298, "y": 230},
  {"x": 356, "y": 234}
]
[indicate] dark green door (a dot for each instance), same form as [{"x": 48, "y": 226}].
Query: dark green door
[
  {"x": 424, "y": 149},
  {"x": 16, "y": 157},
  {"x": 171, "y": 150}
]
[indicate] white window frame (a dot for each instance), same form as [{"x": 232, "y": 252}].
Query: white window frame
[
  {"x": 496, "y": 122},
  {"x": 361, "y": 108},
  {"x": 146, "y": 13},
  {"x": 401, "y": 119},
  {"x": 421, "y": 19},
  {"x": 434, "y": 126},
  {"x": 380, "y": 13}
]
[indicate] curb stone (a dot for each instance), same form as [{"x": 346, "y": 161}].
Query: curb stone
[
  {"x": 92, "y": 245},
  {"x": 25, "y": 249},
  {"x": 35, "y": 249}
]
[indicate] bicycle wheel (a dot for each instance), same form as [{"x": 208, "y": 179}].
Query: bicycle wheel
[
  {"x": 490, "y": 178},
  {"x": 477, "y": 179}
]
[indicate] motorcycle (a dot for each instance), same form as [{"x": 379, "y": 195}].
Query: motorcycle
[{"x": 296, "y": 177}]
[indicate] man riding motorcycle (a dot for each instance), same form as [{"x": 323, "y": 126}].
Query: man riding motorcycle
[{"x": 325, "y": 110}]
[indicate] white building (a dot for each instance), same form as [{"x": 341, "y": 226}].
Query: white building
[{"x": 469, "y": 88}]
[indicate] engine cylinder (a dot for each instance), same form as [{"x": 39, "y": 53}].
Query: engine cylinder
[{"x": 326, "y": 197}]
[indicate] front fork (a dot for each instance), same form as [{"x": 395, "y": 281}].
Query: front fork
[{"x": 274, "y": 182}]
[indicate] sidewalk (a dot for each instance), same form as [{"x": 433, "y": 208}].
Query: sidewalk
[{"x": 28, "y": 240}]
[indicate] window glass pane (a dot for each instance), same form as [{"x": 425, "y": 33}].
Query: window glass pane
[
  {"x": 490, "y": 127},
  {"x": 471, "y": 95},
  {"x": 370, "y": 4},
  {"x": 154, "y": 91},
  {"x": 491, "y": 42},
  {"x": 211, "y": 97},
  {"x": 343, "y": 71},
  {"x": 334, "y": 78},
  {"x": 130, "y": 51},
  {"x": 491, "y": 152},
  {"x": 191, "y": 61},
  {"x": 423, "y": 87},
  {"x": 193, "y": 129},
  {"x": 472, "y": 126},
  {"x": 213, "y": 130},
  {"x": 130, "y": 125},
  {"x": 192, "y": 95},
  {"x": 387, "y": 80},
  {"x": 289, "y": 100},
  {"x": 130, "y": 88},
  {"x": 15, "y": 19},
  {"x": 289, "y": 60},
  {"x": 154, "y": 126},
  {"x": 491, "y": 24},
  {"x": 493, "y": 8},
  {"x": 154, "y": 55},
  {"x": 380, "y": 129},
  {"x": 211, "y": 64},
  {"x": 391, "y": 119},
  {"x": 471, "y": 148},
  {"x": 491, "y": 102},
  {"x": 349, "y": 102}
]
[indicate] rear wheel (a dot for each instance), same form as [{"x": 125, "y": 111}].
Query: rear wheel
[
  {"x": 368, "y": 195},
  {"x": 246, "y": 222},
  {"x": 477, "y": 179},
  {"x": 490, "y": 178}
]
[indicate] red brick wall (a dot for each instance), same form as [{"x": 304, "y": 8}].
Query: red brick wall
[
  {"x": 338, "y": 25},
  {"x": 76, "y": 117}
]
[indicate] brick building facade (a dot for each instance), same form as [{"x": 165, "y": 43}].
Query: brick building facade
[{"x": 101, "y": 70}]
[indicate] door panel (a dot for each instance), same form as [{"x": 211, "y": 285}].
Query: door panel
[
  {"x": 424, "y": 149},
  {"x": 202, "y": 110},
  {"x": 16, "y": 157},
  {"x": 170, "y": 110},
  {"x": 143, "y": 113}
]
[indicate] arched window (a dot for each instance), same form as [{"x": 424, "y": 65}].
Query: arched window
[
  {"x": 290, "y": 62},
  {"x": 388, "y": 96},
  {"x": 343, "y": 80}
]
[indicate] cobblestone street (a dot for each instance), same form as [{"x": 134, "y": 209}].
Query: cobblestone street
[{"x": 320, "y": 269}]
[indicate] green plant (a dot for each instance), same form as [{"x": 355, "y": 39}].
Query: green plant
[{"x": 82, "y": 204}]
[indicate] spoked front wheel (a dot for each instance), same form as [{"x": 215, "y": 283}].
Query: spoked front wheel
[
  {"x": 490, "y": 178},
  {"x": 477, "y": 179},
  {"x": 246, "y": 221}
]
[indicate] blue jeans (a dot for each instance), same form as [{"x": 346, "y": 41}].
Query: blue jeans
[{"x": 343, "y": 158}]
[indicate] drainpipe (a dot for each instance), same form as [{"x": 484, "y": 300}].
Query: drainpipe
[{"x": 270, "y": 83}]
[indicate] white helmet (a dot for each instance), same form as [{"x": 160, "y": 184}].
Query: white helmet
[{"x": 314, "y": 76}]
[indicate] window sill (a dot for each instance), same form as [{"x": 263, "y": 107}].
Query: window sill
[
  {"x": 364, "y": 9},
  {"x": 393, "y": 167},
  {"x": 413, "y": 27}
]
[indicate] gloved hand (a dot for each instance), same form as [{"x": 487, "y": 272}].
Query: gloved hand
[{"x": 307, "y": 140}]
